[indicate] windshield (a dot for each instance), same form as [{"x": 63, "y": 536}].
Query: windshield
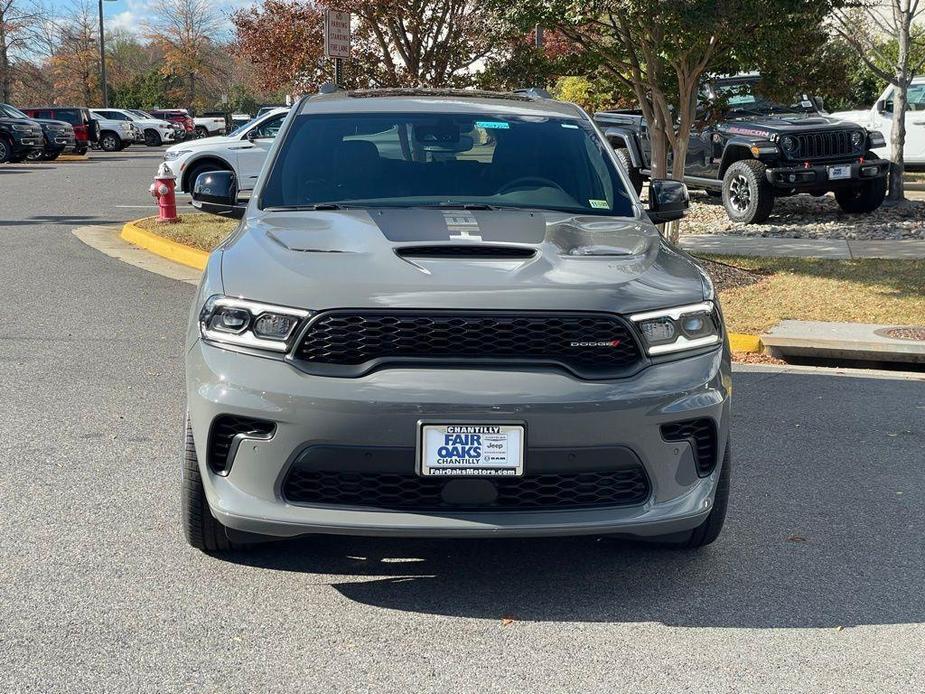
[
  {"x": 244, "y": 126},
  {"x": 12, "y": 112},
  {"x": 743, "y": 96},
  {"x": 438, "y": 159},
  {"x": 140, "y": 114}
]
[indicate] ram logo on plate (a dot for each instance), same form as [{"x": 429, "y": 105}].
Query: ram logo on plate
[{"x": 471, "y": 450}]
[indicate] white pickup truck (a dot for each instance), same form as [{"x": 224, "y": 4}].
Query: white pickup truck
[
  {"x": 209, "y": 125},
  {"x": 880, "y": 117}
]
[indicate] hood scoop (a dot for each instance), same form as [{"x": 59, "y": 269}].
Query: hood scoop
[{"x": 480, "y": 251}]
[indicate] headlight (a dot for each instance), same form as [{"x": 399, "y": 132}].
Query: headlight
[
  {"x": 788, "y": 143},
  {"x": 679, "y": 329},
  {"x": 170, "y": 156},
  {"x": 876, "y": 139},
  {"x": 249, "y": 323},
  {"x": 22, "y": 128},
  {"x": 857, "y": 139}
]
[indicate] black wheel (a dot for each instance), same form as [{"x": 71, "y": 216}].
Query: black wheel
[
  {"x": 623, "y": 156},
  {"x": 110, "y": 142},
  {"x": 747, "y": 195},
  {"x": 152, "y": 138},
  {"x": 862, "y": 198},
  {"x": 201, "y": 131},
  {"x": 200, "y": 528},
  {"x": 6, "y": 151},
  {"x": 709, "y": 530},
  {"x": 36, "y": 155},
  {"x": 196, "y": 170},
  {"x": 51, "y": 156}
]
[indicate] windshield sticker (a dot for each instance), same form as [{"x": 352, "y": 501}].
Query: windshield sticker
[
  {"x": 570, "y": 126},
  {"x": 599, "y": 204},
  {"x": 806, "y": 104},
  {"x": 492, "y": 124}
]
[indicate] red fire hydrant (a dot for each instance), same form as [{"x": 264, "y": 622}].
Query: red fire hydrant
[{"x": 163, "y": 191}]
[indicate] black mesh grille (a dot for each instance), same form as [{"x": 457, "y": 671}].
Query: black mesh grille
[
  {"x": 823, "y": 145},
  {"x": 468, "y": 251},
  {"x": 591, "y": 345},
  {"x": 396, "y": 491},
  {"x": 224, "y": 428},
  {"x": 701, "y": 433}
]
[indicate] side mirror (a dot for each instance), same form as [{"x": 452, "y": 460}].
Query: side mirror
[
  {"x": 819, "y": 102},
  {"x": 216, "y": 192},
  {"x": 881, "y": 106},
  {"x": 252, "y": 134},
  {"x": 668, "y": 200}
]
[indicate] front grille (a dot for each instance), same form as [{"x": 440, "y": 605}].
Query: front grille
[
  {"x": 395, "y": 491},
  {"x": 350, "y": 343},
  {"x": 467, "y": 251},
  {"x": 222, "y": 438},
  {"x": 823, "y": 145},
  {"x": 701, "y": 434}
]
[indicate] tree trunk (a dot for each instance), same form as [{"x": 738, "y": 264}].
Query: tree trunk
[
  {"x": 897, "y": 144},
  {"x": 6, "y": 79}
]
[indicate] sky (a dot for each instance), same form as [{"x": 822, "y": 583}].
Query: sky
[{"x": 128, "y": 14}]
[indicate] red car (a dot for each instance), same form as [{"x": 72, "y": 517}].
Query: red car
[
  {"x": 86, "y": 130},
  {"x": 178, "y": 116}
]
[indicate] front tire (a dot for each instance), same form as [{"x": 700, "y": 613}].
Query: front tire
[
  {"x": 863, "y": 198},
  {"x": 110, "y": 142},
  {"x": 6, "y": 152},
  {"x": 152, "y": 138},
  {"x": 200, "y": 528},
  {"x": 747, "y": 195},
  {"x": 36, "y": 155},
  {"x": 707, "y": 532},
  {"x": 623, "y": 156},
  {"x": 201, "y": 132}
]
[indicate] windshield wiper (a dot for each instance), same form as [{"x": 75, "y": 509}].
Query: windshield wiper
[{"x": 321, "y": 206}]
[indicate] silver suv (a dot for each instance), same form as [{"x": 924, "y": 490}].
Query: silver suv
[{"x": 447, "y": 314}]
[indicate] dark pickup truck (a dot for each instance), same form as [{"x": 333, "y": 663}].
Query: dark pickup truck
[{"x": 751, "y": 150}]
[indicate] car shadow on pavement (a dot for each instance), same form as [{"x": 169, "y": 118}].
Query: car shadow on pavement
[
  {"x": 824, "y": 530},
  {"x": 66, "y": 219}
]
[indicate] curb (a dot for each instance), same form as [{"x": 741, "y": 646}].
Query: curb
[
  {"x": 73, "y": 157},
  {"x": 742, "y": 343},
  {"x": 165, "y": 248}
]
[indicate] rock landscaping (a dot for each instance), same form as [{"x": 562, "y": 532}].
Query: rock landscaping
[{"x": 807, "y": 217}]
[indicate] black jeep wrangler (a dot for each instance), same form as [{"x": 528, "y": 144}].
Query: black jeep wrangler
[{"x": 750, "y": 150}]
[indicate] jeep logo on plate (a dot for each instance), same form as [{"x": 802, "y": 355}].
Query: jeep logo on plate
[{"x": 602, "y": 343}]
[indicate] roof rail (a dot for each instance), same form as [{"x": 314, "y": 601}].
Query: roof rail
[{"x": 534, "y": 93}]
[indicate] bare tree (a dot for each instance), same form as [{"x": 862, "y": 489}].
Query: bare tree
[
  {"x": 185, "y": 31},
  {"x": 863, "y": 26},
  {"x": 17, "y": 19}
]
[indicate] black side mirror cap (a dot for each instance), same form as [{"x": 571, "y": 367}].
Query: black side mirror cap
[
  {"x": 881, "y": 106},
  {"x": 216, "y": 192},
  {"x": 668, "y": 200}
]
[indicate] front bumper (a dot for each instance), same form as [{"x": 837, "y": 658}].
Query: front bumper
[
  {"x": 383, "y": 408},
  {"x": 22, "y": 146},
  {"x": 817, "y": 176}
]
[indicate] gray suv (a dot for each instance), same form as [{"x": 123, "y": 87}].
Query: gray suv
[{"x": 447, "y": 314}]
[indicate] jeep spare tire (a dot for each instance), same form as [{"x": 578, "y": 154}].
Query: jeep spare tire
[
  {"x": 623, "y": 156},
  {"x": 747, "y": 195}
]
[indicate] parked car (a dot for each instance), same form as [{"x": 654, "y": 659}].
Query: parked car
[
  {"x": 242, "y": 151},
  {"x": 448, "y": 314},
  {"x": 750, "y": 150},
  {"x": 209, "y": 125},
  {"x": 240, "y": 119},
  {"x": 179, "y": 117},
  {"x": 57, "y": 136},
  {"x": 880, "y": 117},
  {"x": 85, "y": 128},
  {"x": 266, "y": 108},
  {"x": 154, "y": 131},
  {"x": 116, "y": 135},
  {"x": 19, "y": 137}
]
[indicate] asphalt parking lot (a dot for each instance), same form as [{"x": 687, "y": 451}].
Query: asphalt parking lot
[{"x": 815, "y": 585}]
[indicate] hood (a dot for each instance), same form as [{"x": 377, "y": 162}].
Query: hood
[
  {"x": 202, "y": 143},
  {"x": 785, "y": 124},
  {"x": 414, "y": 258},
  {"x": 20, "y": 121},
  {"x": 54, "y": 124}
]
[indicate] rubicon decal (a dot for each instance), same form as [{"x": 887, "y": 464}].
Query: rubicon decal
[{"x": 603, "y": 343}]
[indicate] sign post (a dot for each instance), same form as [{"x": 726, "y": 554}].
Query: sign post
[{"x": 337, "y": 41}]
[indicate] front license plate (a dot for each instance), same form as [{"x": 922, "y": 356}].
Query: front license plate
[
  {"x": 838, "y": 172},
  {"x": 471, "y": 450}
]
